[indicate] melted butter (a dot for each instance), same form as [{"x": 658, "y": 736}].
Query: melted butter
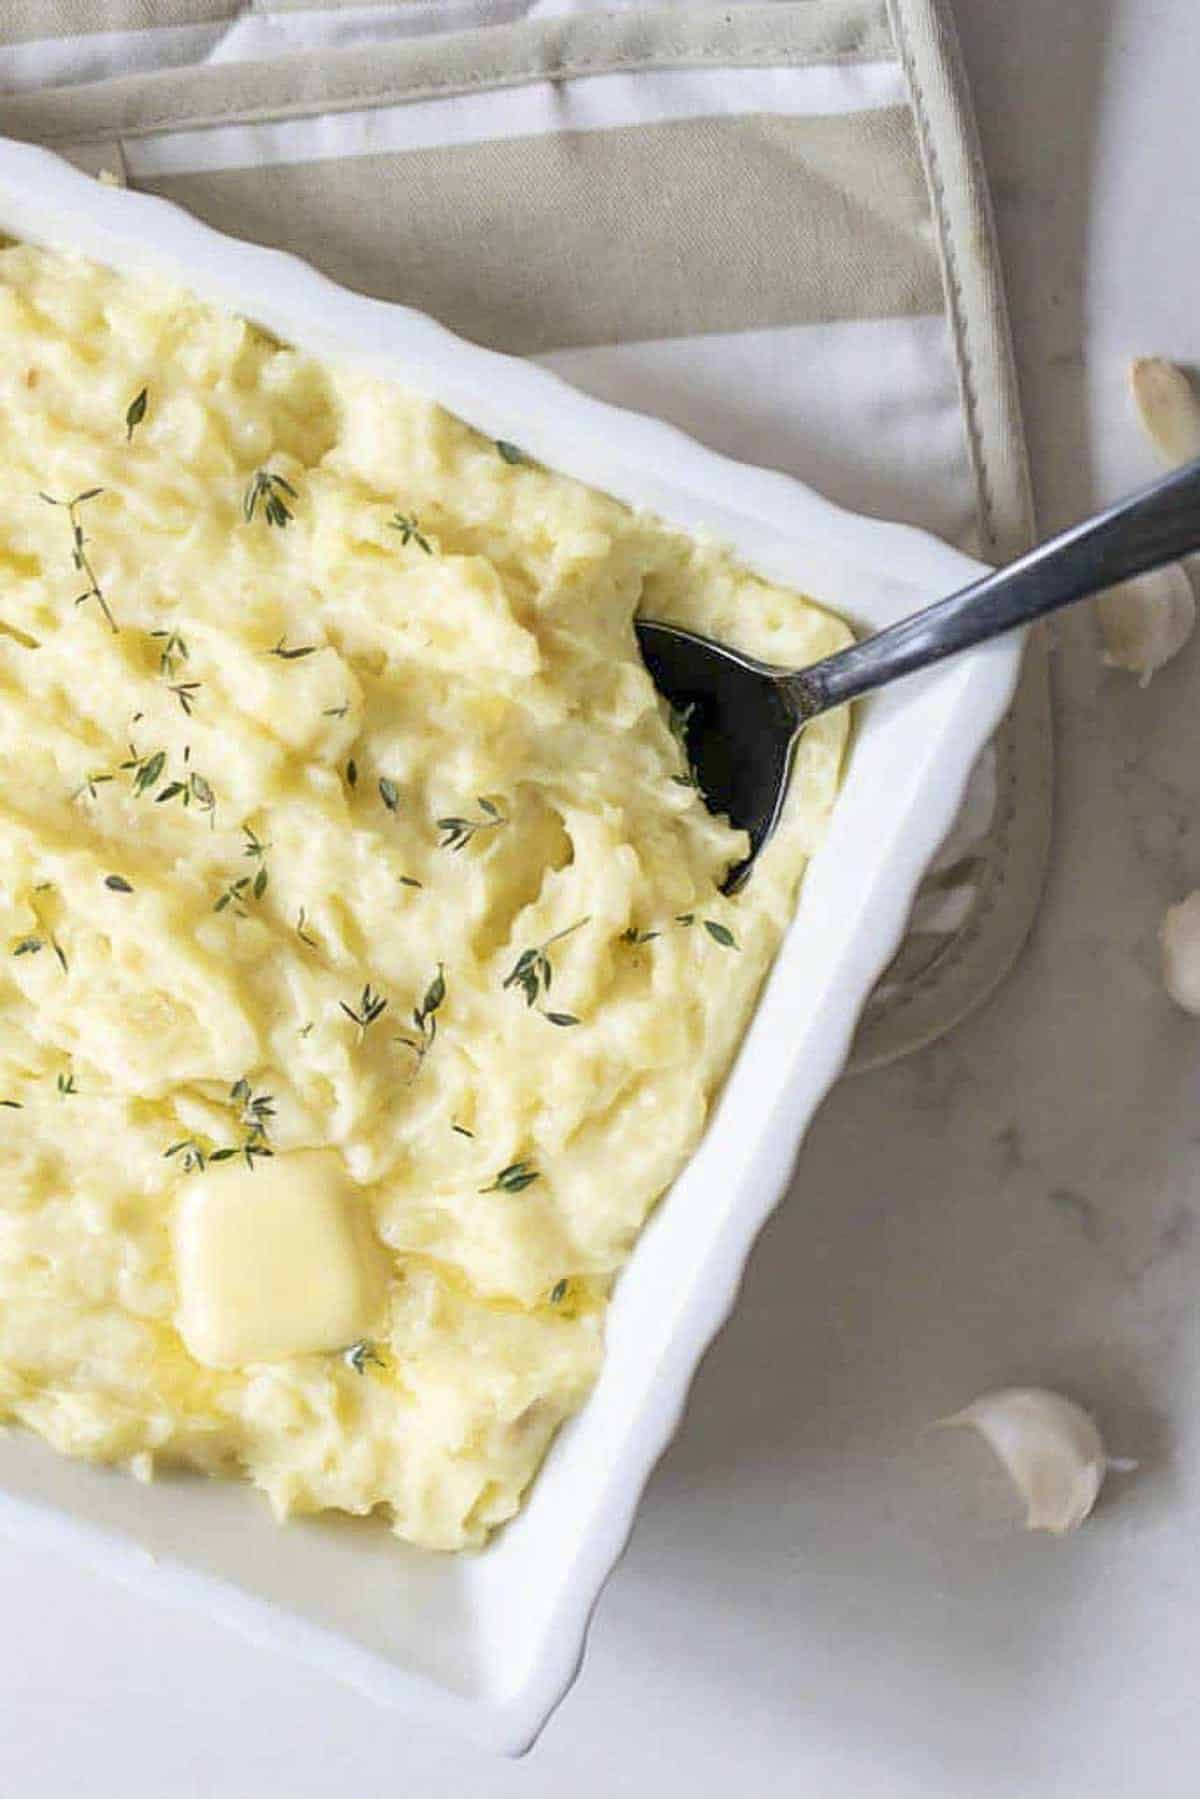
[{"x": 273, "y": 1261}]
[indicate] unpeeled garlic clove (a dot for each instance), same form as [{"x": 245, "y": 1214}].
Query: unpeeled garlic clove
[
  {"x": 1168, "y": 407},
  {"x": 1179, "y": 943},
  {"x": 1146, "y": 621},
  {"x": 1051, "y": 1448}
]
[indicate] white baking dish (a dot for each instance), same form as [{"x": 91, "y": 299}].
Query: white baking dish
[{"x": 490, "y": 1642}]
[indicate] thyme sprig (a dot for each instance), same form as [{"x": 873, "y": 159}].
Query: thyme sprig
[
  {"x": 425, "y": 1019},
  {"x": 410, "y": 531},
  {"x": 293, "y": 655},
  {"x": 146, "y": 770},
  {"x": 89, "y": 785},
  {"x": 370, "y": 1007},
  {"x": 79, "y": 555},
  {"x": 533, "y": 973},
  {"x": 458, "y": 832},
  {"x": 174, "y": 650},
  {"x": 185, "y": 692},
  {"x": 256, "y": 1112},
  {"x": 270, "y": 489}
]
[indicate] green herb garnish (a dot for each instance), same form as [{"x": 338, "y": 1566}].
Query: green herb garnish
[
  {"x": 79, "y": 555},
  {"x": 509, "y": 453},
  {"x": 721, "y": 934},
  {"x": 13, "y": 1105},
  {"x": 370, "y": 1007},
  {"x": 117, "y": 883},
  {"x": 29, "y": 946},
  {"x": 360, "y": 1353},
  {"x": 513, "y": 1179},
  {"x": 352, "y": 773},
  {"x": 285, "y": 655},
  {"x": 410, "y": 531},
  {"x": 146, "y": 769},
  {"x": 533, "y": 973},
  {"x": 409, "y": 881},
  {"x": 301, "y": 932},
  {"x": 190, "y": 1150},
  {"x": 174, "y": 650},
  {"x": 458, "y": 832},
  {"x": 269, "y": 488},
  {"x": 90, "y": 784},
  {"x": 194, "y": 791},
  {"x": 336, "y": 711},
  {"x": 460, "y": 1130},
  {"x": 389, "y": 793},
  {"x": 558, "y": 1292},
  {"x": 633, "y": 935},
  {"x": 66, "y": 1085},
  {"x": 184, "y": 692},
  {"x": 425, "y": 1019},
  {"x": 135, "y": 413}
]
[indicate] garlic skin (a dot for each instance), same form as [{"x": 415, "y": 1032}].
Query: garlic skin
[
  {"x": 1147, "y": 620},
  {"x": 1168, "y": 408},
  {"x": 1049, "y": 1446},
  {"x": 1179, "y": 945}
]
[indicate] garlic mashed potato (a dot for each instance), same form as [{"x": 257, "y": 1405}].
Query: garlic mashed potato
[{"x": 365, "y": 973}]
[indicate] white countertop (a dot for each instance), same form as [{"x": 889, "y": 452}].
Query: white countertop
[{"x": 819, "y": 1598}]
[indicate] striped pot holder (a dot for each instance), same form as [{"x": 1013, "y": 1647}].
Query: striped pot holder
[{"x": 766, "y": 223}]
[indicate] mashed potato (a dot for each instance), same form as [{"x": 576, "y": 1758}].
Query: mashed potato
[{"x": 366, "y": 978}]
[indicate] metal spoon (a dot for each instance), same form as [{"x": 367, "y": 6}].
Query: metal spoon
[{"x": 743, "y": 718}]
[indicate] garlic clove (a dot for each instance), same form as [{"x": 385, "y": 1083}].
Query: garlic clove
[
  {"x": 1146, "y": 621},
  {"x": 1168, "y": 407},
  {"x": 1179, "y": 944},
  {"x": 1049, "y": 1446}
]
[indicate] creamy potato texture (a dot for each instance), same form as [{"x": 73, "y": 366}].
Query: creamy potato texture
[{"x": 359, "y": 861}]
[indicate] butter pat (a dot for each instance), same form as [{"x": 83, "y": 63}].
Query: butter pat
[{"x": 273, "y": 1261}]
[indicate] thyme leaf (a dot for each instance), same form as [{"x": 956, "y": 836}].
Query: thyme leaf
[
  {"x": 270, "y": 489},
  {"x": 360, "y": 1353},
  {"x": 513, "y": 1179},
  {"x": 135, "y": 413},
  {"x": 117, "y": 883},
  {"x": 389, "y": 793},
  {"x": 509, "y": 453},
  {"x": 285, "y": 655},
  {"x": 721, "y": 934}
]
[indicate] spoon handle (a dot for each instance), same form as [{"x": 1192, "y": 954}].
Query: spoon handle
[{"x": 1153, "y": 527}]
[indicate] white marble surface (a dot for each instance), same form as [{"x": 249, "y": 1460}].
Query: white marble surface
[{"x": 819, "y": 1599}]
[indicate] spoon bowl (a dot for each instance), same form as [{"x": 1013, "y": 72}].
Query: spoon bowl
[{"x": 741, "y": 718}]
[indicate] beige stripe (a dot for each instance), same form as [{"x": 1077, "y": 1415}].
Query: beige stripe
[
  {"x": 541, "y": 243},
  {"x": 23, "y": 21},
  {"x": 790, "y": 31}
]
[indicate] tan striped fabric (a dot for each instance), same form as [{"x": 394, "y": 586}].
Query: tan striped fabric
[{"x": 767, "y": 221}]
